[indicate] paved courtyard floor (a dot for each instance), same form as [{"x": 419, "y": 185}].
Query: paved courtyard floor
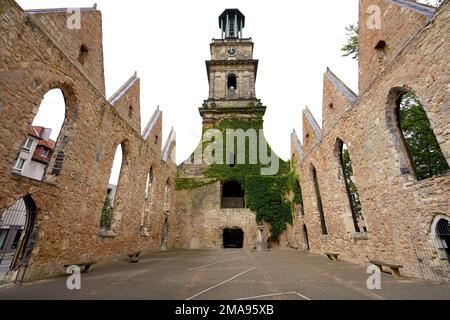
[{"x": 228, "y": 275}]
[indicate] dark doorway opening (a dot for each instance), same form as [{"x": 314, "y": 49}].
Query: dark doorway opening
[
  {"x": 233, "y": 238},
  {"x": 232, "y": 195}
]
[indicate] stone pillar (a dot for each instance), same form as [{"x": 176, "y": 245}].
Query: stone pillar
[{"x": 260, "y": 243}]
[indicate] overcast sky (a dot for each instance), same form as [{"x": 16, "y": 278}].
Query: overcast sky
[{"x": 167, "y": 42}]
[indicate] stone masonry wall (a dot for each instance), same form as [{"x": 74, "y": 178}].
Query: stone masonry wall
[
  {"x": 398, "y": 209},
  {"x": 69, "y": 205}
]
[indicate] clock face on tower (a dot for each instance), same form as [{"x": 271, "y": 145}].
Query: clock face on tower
[{"x": 231, "y": 52}]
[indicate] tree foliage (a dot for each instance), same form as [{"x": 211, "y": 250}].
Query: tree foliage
[
  {"x": 348, "y": 173},
  {"x": 351, "y": 48},
  {"x": 106, "y": 217},
  {"x": 423, "y": 147}
]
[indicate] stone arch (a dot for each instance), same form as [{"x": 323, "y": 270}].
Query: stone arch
[
  {"x": 318, "y": 198},
  {"x": 440, "y": 233},
  {"x": 392, "y": 115},
  {"x": 111, "y": 215},
  {"x": 354, "y": 222},
  {"x": 68, "y": 104},
  {"x": 148, "y": 201},
  {"x": 24, "y": 212}
]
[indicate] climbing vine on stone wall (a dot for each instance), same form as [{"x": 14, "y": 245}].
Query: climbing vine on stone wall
[{"x": 272, "y": 198}]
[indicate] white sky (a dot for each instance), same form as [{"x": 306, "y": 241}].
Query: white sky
[{"x": 167, "y": 42}]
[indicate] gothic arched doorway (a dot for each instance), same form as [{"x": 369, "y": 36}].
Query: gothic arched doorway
[{"x": 17, "y": 238}]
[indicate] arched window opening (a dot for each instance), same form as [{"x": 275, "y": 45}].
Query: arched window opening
[
  {"x": 149, "y": 184},
  {"x": 301, "y": 209},
  {"x": 232, "y": 195},
  {"x": 319, "y": 200},
  {"x": 17, "y": 238},
  {"x": 442, "y": 234},
  {"x": 381, "y": 45},
  {"x": 130, "y": 111},
  {"x": 232, "y": 82},
  {"x": 113, "y": 188},
  {"x": 167, "y": 196},
  {"x": 421, "y": 146},
  {"x": 148, "y": 197},
  {"x": 37, "y": 150},
  {"x": 83, "y": 53},
  {"x": 351, "y": 188}
]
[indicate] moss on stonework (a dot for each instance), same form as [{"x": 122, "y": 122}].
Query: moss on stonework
[
  {"x": 272, "y": 198},
  {"x": 190, "y": 183}
]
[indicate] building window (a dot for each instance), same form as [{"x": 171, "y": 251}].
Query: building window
[
  {"x": 28, "y": 144},
  {"x": 319, "y": 201},
  {"x": 232, "y": 195},
  {"x": 18, "y": 166},
  {"x": 130, "y": 111},
  {"x": 420, "y": 144},
  {"x": 45, "y": 153}
]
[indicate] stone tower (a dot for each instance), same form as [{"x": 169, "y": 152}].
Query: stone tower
[
  {"x": 225, "y": 203},
  {"x": 231, "y": 73}
]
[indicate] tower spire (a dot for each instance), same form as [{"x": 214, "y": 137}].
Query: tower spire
[{"x": 231, "y": 22}]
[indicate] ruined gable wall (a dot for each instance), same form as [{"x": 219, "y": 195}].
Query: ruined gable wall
[
  {"x": 398, "y": 209},
  {"x": 69, "y": 205}
]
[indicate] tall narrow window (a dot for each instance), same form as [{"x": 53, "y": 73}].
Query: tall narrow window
[
  {"x": 319, "y": 200},
  {"x": 167, "y": 196},
  {"x": 82, "y": 54},
  {"x": 114, "y": 180},
  {"x": 425, "y": 155},
  {"x": 147, "y": 202},
  {"x": 352, "y": 190}
]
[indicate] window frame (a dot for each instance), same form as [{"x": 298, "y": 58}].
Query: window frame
[
  {"x": 25, "y": 147},
  {"x": 19, "y": 169}
]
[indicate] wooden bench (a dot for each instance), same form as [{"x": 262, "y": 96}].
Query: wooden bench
[
  {"x": 332, "y": 256},
  {"x": 84, "y": 266},
  {"x": 395, "y": 268},
  {"x": 133, "y": 257}
]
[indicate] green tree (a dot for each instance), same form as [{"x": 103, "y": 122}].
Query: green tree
[
  {"x": 106, "y": 217},
  {"x": 423, "y": 147},
  {"x": 351, "y": 48},
  {"x": 348, "y": 173}
]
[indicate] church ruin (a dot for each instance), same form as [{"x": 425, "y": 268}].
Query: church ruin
[{"x": 352, "y": 187}]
